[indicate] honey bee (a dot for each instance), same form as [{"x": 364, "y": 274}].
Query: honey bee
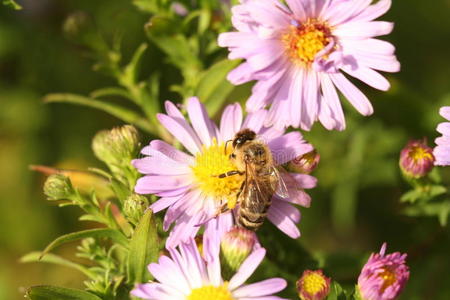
[{"x": 253, "y": 159}]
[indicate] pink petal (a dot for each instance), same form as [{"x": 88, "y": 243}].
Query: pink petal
[
  {"x": 444, "y": 128},
  {"x": 369, "y": 76},
  {"x": 283, "y": 222},
  {"x": 255, "y": 120},
  {"x": 353, "y": 94},
  {"x": 287, "y": 147},
  {"x": 296, "y": 96},
  {"x": 331, "y": 97},
  {"x": 160, "y": 165},
  {"x": 151, "y": 184},
  {"x": 247, "y": 268},
  {"x": 241, "y": 74},
  {"x": 163, "y": 203},
  {"x": 173, "y": 111},
  {"x": 445, "y": 112},
  {"x": 170, "y": 151},
  {"x": 261, "y": 288},
  {"x": 374, "y": 11},
  {"x": 363, "y": 30},
  {"x": 297, "y": 8},
  {"x": 182, "y": 132},
  {"x": 168, "y": 273},
  {"x": 202, "y": 124},
  {"x": 231, "y": 121}
]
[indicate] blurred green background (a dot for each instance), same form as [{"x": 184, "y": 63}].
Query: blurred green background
[{"x": 355, "y": 205}]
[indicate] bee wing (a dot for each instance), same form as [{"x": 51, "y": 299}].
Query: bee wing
[
  {"x": 254, "y": 190},
  {"x": 294, "y": 191},
  {"x": 279, "y": 185}
]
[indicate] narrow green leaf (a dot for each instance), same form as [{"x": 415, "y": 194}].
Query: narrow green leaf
[
  {"x": 48, "y": 292},
  {"x": 12, "y": 4},
  {"x": 213, "y": 87},
  {"x": 132, "y": 69},
  {"x": 57, "y": 260},
  {"x": 117, "y": 111},
  {"x": 114, "y": 235},
  {"x": 111, "y": 91},
  {"x": 144, "y": 249}
]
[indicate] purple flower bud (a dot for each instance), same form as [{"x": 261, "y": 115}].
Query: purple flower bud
[
  {"x": 383, "y": 277},
  {"x": 313, "y": 285},
  {"x": 305, "y": 163},
  {"x": 235, "y": 246},
  {"x": 416, "y": 159}
]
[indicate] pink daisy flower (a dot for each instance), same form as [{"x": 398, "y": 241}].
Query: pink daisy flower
[
  {"x": 188, "y": 184},
  {"x": 186, "y": 275},
  {"x": 442, "y": 150},
  {"x": 383, "y": 277},
  {"x": 298, "y": 53}
]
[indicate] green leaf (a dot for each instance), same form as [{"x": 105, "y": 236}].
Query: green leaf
[
  {"x": 12, "y": 4},
  {"x": 132, "y": 69},
  {"x": 213, "y": 87},
  {"x": 111, "y": 91},
  {"x": 117, "y": 111},
  {"x": 336, "y": 292},
  {"x": 47, "y": 292},
  {"x": 57, "y": 260},
  {"x": 144, "y": 249},
  {"x": 114, "y": 235}
]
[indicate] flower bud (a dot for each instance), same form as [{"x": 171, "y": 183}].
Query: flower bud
[
  {"x": 416, "y": 159},
  {"x": 58, "y": 187},
  {"x": 235, "y": 246},
  {"x": 313, "y": 285},
  {"x": 179, "y": 9},
  {"x": 117, "y": 146},
  {"x": 383, "y": 277},
  {"x": 305, "y": 163},
  {"x": 134, "y": 208}
]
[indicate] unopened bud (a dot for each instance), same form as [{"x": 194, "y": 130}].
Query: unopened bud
[
  {"x": 313, "y": 285},
  {"x": 58, "y": 187},
  {"x": 305, "y": 163},
  {"x": 416, "y": 159},
  {"x": 117, "y": 146},
  {"x": 235, "y": 246},
  {"x": 134, "y": 208}
]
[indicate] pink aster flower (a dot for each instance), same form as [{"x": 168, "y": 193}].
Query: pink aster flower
[
  {"x": 187, "y": 275},
  {"x": 442, "y": 150},
  {"x": 416, "y": 159},
  {"x": 299, "y": 52},
  {"x": 383, "y": 277},
  {"x": 188, "y": 183}
]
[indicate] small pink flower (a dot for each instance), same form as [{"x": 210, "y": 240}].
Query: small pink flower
[
  {"x": 442, "y": 150},
  {"x": 313, "y": 285},
  {"x": 188, "y": 184},
  {"x": 383, "y": 277},
  {"x": 187, "y": 275},
  {"x": 298, "y": 52},
  {"x": 416, "y": 159}
]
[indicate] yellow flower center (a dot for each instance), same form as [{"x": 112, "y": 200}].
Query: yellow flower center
[
  {"x": 419, "y": 153},
  {"x": 303, "y": 42},
  {"x": 313, "y": 283},
  {"x": 211, "y": 162},
  {"x": 388, "y": 278},
  {"x": 211, "y": 293}
]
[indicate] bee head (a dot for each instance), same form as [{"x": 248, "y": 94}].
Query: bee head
[{"x": 243, "y": 136}]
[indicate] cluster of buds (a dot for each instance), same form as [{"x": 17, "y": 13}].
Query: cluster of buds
[
  {"x": 116, "y": 148},
  {"x": 235, "y": 246},
  {"x": 58, "y": 187},
  {"x": 416, "y": 159},
  {"x": 305, "y": 163},
  {"x": 134, "y": 208}
]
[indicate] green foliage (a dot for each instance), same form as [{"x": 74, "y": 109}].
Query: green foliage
[
  {"x": 47, "y": 292},
  {"x": 12, "y": 4},
  {"x": 144, "y": 249}
]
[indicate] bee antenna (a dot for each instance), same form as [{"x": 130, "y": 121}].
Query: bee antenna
[{"x": 226, "y": 144}]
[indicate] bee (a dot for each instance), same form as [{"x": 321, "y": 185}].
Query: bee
[{"x": 253, "y": 159}]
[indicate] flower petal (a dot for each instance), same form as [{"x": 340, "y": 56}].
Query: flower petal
[
  {"x": 202, "y": 124},
  {"x": 182, "y": 132},
  {"x": 283, "y": 222},
  {"x": 231, "y": 121},
  {"x": 287, "y": 147},
  {"x": 261, "y": 288},
  {"x": 353, "y": 94},
  {"x": 247, "y": 268}
]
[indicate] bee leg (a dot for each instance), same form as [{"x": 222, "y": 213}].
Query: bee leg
[{"x": 229, "y": 173}]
